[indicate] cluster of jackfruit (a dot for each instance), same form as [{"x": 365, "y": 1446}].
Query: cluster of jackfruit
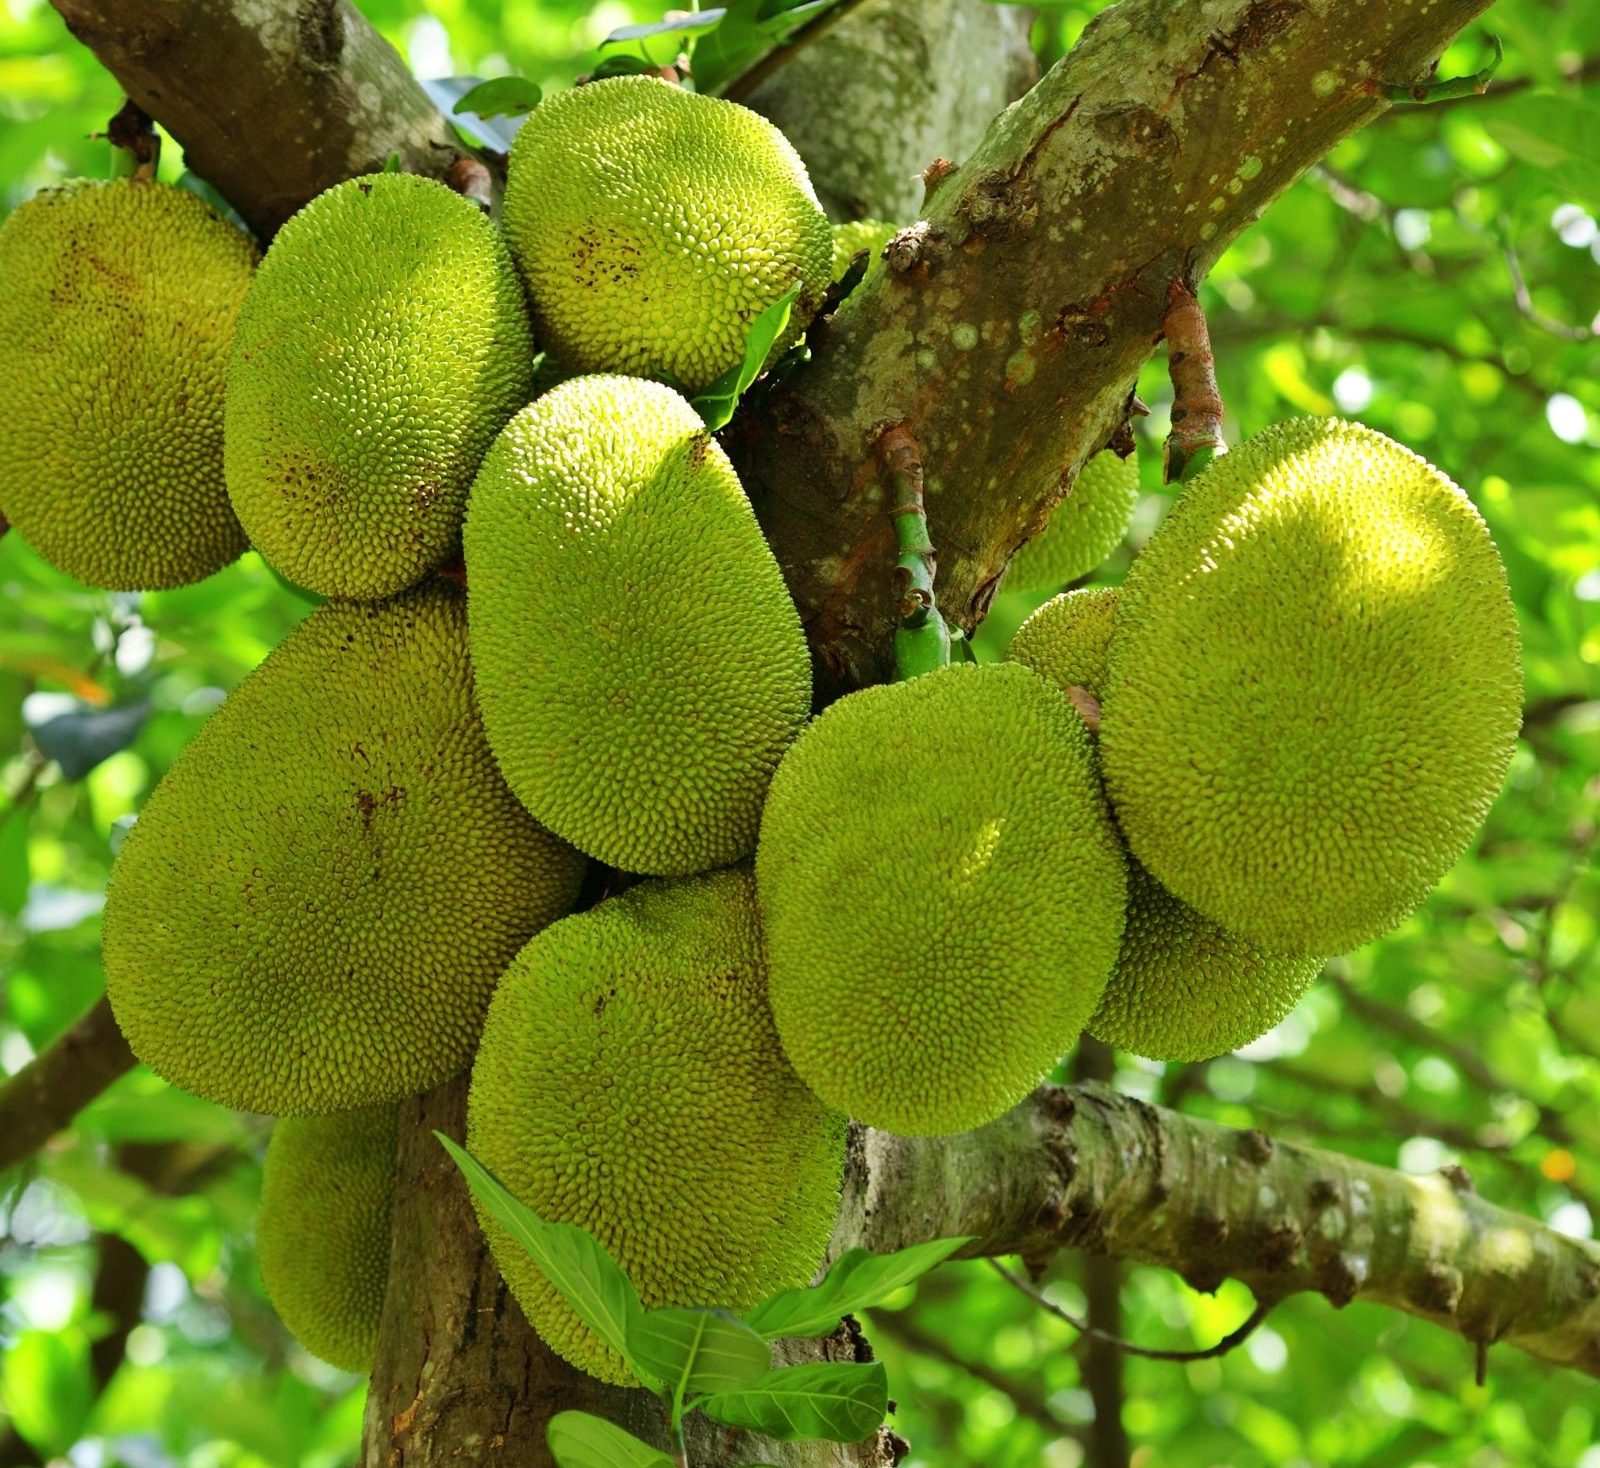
[{"x": 363, "y": 874}]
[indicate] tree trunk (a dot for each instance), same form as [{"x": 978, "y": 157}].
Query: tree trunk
[
  {"x": 460, "y": 1375},
  {"x": 889, "y": 89}
]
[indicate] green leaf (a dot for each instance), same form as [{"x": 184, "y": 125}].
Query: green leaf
[
  {"x": 391, "y": 164},
  {"x": 619, "y": 66},
  {"x": 716, "y": 404},
  {"x": 503, "y": 96},
  {"x": 703, "y": 20},
  {"x": 837, "y": 1400},
  {"x": 696, "y": 1351},
  {"x": 858, "y": 1280},
  {"x": 45, "y": 1380},
  {"x": 573, "y": 1260},
  {"x": 13, "y": 861},
  {"x": 1553, "y": 133},
  {"x": 582, "y": 1440}
]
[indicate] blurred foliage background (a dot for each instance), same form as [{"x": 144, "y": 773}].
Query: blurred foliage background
[{"x": 1439, "y": 278}]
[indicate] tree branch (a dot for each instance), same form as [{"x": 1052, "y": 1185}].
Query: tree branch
[
  {"x": 272, "y": 103},
  {"x": 1090, "y": 1168},
  {"x": 58, "y": 1083},
  {"x": 1010, "y": 329}
]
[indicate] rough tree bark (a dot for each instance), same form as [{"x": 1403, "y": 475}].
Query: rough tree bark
[
  {"x": 1007, "y": 336},
  {"x": 271, "y": 102},
  {"x": 891, "y": 88},
  {"x": 1005, "y": 339}
]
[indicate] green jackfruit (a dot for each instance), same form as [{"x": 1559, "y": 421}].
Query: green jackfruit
[
  {"x": 856, "y": 235},
  {"x": 1184, "y": 987},
  {"x": 942, "y": 892},
  {"x": 630, "y": 1081},
  {"x": 1315, "y": 687},
  {"x": 384, "y": 345},
  {"x": 318, "y": 898},
  {"x": 640, "y": 663},
  {"x": 1068, "y": 639},
  {"x": 1084, "y": 528},
  {"x": 323, "y": 1229},
  {"x": 117, "y": 305},
  {"x": 653, "y": 225}
]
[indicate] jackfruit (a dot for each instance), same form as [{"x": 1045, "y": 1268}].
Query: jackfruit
[
  {"x": 323, "y": 1229},
  {"x": 1068, "y": 639},
  {"x": 1314, "y": 687},
  {"x": 1083, "y": 529},
  {"x": 653, "y": 225},
  {"x": 117, "y": 305},
  {"x": 630, "y": 1081},
  {"x": 640, "y": 663},
  {"x": 383, "y": 346},
  {"x": 318, "y": 898},
  {"x": 856, "y": 235},
  {"x": 1184, "y": 987},
  {"x": 942, "y": 893}
]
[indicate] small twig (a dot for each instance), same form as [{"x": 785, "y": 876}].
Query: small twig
[
  {"x": 1235, "y": 1337},
  {"x": 1439, "y": 91},
  {"x": 1524, "y": 298},
  {"x": 748, "y": 80},
  {"x": 898, "y": 1326},
  {"x": 1196, "y": 435}
]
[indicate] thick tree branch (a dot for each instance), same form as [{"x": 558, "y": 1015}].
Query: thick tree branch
[
  {"x": 1008, "y": 333},
  {"x": 1090, "y": 1168},
  {"x": 272, "y": 103},
  {"x": 58, "y": 1083}
]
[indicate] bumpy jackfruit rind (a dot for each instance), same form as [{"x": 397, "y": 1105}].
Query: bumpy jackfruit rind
[
  {"x": 1315, "y": 687},
  {"x": 1068, "y": 639},
  {"x": 1084, "y": 528},
  {"x": 856, "y": 235},
  {"x": 640, "y": 663},
  {"x": 653, "y": 225},
  {"x": 323, "y": 1229},
  {"x": 630, "y": 1081},
  {"x": 942, "y": 894},
  {"x": 316, "y": 901},
  {"x": 385, "y": 343},
  {"x": 117, "y": 306},
  {"x": 1185, "y": 988}
]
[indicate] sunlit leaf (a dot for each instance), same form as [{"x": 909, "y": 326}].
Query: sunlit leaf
[{"x": 841, "y": 1401}]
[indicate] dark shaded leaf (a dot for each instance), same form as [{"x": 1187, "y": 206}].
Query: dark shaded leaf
[{"x": 86, "y": 737}]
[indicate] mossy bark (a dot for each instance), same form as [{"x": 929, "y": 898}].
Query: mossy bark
[{"x": 891, "y": 88}]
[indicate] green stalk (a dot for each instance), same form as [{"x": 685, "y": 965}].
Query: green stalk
[{"x": 922, "y": 640}]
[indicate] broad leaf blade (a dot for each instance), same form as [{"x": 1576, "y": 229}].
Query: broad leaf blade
[
  {"x": 502, "y": 96},
  {"x": 716, "y": 404},
  {"x": 858, "y": 1280},
  {"x": 575, "y": 1263},
  {"x": 696, "y": 1351},
  {"x": 700, "y": 20},
  {"x": 836, "y": 1400},
  {"x": 582, "y": 1440}
]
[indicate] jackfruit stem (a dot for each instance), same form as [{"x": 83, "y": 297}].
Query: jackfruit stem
[
  {"x": 1196, "y": 435},
  {"x": 922, "y": 640}
]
